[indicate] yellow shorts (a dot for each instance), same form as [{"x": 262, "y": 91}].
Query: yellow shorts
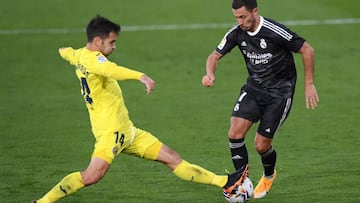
[{"x": 133, "y": 141}]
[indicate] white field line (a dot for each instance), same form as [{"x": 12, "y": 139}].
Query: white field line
[{"x": 176, "y": 27}]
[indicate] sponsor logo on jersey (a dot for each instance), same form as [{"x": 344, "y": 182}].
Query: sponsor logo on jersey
[
  {"x": 102, "y": 59},
  {"x": 256, "y": 58}
]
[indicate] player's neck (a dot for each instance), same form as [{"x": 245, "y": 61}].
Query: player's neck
[
  {"x": 257, "y": 23},
  {"x": 91, "y": 47}
]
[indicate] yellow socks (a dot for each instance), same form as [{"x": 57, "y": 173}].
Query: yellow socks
[
  {"x": 186, "y": 171},
  {"x": 68, "y": 185},
  {"x": 194, "y": 173}
]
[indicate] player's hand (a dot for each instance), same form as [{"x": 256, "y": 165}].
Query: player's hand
[
  {"x": 148, "y": 82},
  {"x": 208, "y": 80},
  {"x": 311, "y": 96}
]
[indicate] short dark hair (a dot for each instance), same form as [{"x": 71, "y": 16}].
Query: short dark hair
[
  {"x": 100, "y": 27},
  {"x": 249, "y": 4}
]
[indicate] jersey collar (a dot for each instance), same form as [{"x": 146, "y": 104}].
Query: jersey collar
[{"x": 258, "y": 28}]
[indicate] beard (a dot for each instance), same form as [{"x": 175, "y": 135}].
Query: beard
[{"x": 250, "y": 25}]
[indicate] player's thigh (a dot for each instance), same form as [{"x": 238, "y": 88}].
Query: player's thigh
[
  {"x": 239, "y": 127},
  {"x": 145, "y": 145},
  {"x": 274, "y": 115},
  {"x": 109, "y": 144},
  {"x": 246, "y": 106}
]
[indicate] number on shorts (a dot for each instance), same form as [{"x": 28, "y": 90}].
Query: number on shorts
[
  {"x": 237, "y": 105},
  {"x": 119, "y": 139},
  {"x": 242, "y": 96}
]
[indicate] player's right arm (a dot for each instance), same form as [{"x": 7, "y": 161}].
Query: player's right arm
[
  {"x": 67, "y": 53},
  {"x": 225, "y": 46},
  {"x": 208, "y": 80}
]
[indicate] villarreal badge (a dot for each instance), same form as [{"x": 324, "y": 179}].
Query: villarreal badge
[{"x": 115, "y": 150}]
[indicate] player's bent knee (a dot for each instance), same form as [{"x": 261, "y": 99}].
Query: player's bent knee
[
  {"x": 175, "y": 156},
  {"x": 169, "y": 157},
  {"x": 90, "y": 178},
  {"x": 236, "y": 133},
  {"x": 153, "y": 151},
  {"x": 262, "y": 147},
  {"x": 262, "y": 143}
]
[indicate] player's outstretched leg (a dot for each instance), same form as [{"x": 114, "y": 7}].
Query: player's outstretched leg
[
  {"x": 194, "y": 173},
  {"x": 68, "y": 185},
  {"x": 77, "y": 180},
  {"x": 235, "y": 179}
]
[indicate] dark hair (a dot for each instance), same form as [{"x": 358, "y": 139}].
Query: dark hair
[
  {"x": 100, "y": 27},
  {"x": 249, "y": 4}
]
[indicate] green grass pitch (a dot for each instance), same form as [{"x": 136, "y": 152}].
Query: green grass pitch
[{"x": 45, "y": 131}]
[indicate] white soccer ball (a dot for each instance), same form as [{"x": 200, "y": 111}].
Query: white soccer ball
[{"x": 241, "y": 193}]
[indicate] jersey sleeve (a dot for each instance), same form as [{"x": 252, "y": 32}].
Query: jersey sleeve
[
  {"x": 294, "y": 44},
  {"x": 68, "y": 54},
  {"x": 284, "y": 36},
  {"x": 102, "y": 66},
  {"x": 227, "y": 43}
]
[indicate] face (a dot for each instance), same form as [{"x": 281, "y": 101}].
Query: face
[
  {"x": 108, "y": 44},
  {"x": 248, "y": 20}
]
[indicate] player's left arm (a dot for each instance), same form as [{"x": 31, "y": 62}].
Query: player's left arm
[
  {"x": 112, "y": 70},
  {"x": 308, "y": 58},
  {"x": 148, "y": 82}
]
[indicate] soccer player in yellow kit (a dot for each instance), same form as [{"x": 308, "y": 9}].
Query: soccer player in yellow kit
[{"x": 113, "y": 130}]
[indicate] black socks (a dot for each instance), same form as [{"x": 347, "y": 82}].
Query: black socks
[
  {"x": 239, "y": 154},
  {"x": 268, "y": 159}
]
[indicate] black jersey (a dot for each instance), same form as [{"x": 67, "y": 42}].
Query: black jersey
[{"x": 268, "y": 55}]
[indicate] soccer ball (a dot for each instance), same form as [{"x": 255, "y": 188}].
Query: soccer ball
[{"x": 241, "y": 193}]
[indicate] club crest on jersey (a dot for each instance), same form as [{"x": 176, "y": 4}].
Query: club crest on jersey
[
  {"x": 102, "y": 59},
  {"x": 263, "y": 43},
  {"x": 115, "y": 150}
]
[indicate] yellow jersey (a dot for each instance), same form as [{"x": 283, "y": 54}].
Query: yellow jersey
[{"x": 100, "y": 89}]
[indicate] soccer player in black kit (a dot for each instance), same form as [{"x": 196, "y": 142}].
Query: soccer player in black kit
[{"x": 267, "y": 48}]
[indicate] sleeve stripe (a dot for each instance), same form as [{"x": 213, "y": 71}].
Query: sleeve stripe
[
  {"x": 231, "y": 29},
  {"x": 278, "y": 30}
]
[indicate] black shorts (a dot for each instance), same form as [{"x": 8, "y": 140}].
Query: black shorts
[{"x": 254, "y": 105}]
